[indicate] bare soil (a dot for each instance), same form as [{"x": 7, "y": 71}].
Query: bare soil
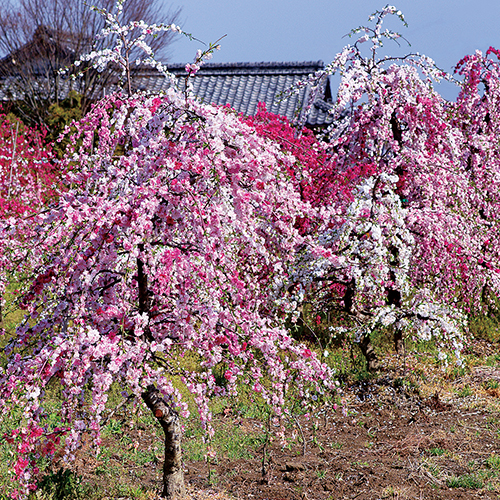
[
  {"x": 391, "y": 440},
  {"x": 406, "y": 448}
]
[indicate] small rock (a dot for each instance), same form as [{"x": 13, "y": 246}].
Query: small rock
[{"x": 294, "y": 466}]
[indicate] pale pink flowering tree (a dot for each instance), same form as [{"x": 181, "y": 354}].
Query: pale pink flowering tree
[{"x": 174, "y": 238}]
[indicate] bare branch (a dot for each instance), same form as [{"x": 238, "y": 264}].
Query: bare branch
[{"x": 40, "y": 37}]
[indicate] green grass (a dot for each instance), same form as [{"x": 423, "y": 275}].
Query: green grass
[
  {"x": 465, "y": 392},
  {"x": 485, "y": 327},
  {"x": 229, "y": 442},
  {"x": 468, "y": 481},
  {"x": 491, "y": 384},
  {"x": 493, "y": 462},
  {"x": 62, "y": 485},
  {"x": 437, "y": 452},
  {"x": 493, "y": 360}
]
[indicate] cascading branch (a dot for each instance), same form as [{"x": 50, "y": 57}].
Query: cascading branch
[
  {"x": 179, "y": 221},
  {"x": 389, "y": 120}
]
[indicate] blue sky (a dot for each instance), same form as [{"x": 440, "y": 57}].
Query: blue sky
[{"x": 296, "y": 30}]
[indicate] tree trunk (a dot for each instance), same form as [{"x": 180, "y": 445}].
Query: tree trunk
[
  {"x": 372, "y": 363},
  {"x": 173, "y": 475},
  {"x": 398, "y": 340}
]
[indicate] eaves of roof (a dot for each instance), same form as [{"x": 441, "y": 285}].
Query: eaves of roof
[
  {"x": 241, "y": 85},
  {"x": 244, "y": 85}
]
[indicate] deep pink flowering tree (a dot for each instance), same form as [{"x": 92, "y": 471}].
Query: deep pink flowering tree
[
  {"x": 28, "y": 169},
  {"x": 174, "y": 239},
  {"x": 476, "y": 115}
]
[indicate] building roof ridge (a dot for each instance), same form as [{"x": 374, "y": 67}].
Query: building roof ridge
[{"x": 246, "y": 68}]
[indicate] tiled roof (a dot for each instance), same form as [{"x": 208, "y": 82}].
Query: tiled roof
[
  {"x": 241, "y": 85},
  {"x": 39, "y": 54},
  {"x": 244, "y": 85}
]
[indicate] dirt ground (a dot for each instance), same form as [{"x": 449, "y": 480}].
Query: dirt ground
[
  {"x": 390, "y": 441},
  {"x": 407, "y": 448}
]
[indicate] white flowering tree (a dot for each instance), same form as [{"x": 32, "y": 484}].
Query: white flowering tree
[{"x": 388, "y": 120}]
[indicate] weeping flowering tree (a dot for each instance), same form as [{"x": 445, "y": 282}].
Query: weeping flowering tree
[
  {"x": 179, "y": 224},
  {"x": 172, "y": 240},
  {"x": 476, "y": 116},
  {"x": 363, "y": 273},
  {"x": 390, "y": 121}
]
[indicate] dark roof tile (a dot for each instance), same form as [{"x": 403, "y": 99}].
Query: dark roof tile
[
  {"x": 244, "y": 85},
  {"x": 241, "y": 85}
]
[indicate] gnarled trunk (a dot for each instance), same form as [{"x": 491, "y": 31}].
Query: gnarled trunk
[
  {"x": 173, "y": 475},
  {"x": 372, "y": 362},
  {"x": 398, "y": 340}
]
